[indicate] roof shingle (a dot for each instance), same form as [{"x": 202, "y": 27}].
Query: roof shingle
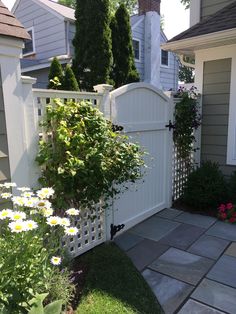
[
  {"x": 10, "y": 26},
  {"x": 220, "y": 21},
  {"x": 68, "y": 13}
]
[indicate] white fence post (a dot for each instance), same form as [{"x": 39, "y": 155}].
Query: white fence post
[
  {"x": 105, "y": 106},
  {"x": 31, "y": 129}
]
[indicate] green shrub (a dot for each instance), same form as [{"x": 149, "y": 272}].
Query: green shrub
[
  {"x": 232, "y": 188},
  {"x": 206, "y": 187},
  {"x": 83, "y": 159}
]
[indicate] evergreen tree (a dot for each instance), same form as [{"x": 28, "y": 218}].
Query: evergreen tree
[
  {"x": 92, "y": 42},
  {"x": 55, "y": 71},
  {"x": 69, "y": 81},
  {"x": 123, "y": 70}
]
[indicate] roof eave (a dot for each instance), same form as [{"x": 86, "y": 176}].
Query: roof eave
[{"x": 189, "y": 45}]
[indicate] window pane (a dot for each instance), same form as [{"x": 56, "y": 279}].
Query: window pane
[
  {"x": 29, "y": 44},
  {"x": 164, "y": 57},
  {"x": 136, "y": 49}
]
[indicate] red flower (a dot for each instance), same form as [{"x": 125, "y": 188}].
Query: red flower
[
  {"x": 232, "y": 219},
  {"x": 234, "y": 215},
  {"x": 222, "y": 208},
  {"x": 229, "y": 206},
  {"x": 223, "y": 216}
]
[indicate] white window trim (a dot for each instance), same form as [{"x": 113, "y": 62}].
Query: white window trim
[
  {"x": 216, "y": 54},
  {"x": 33, "y": 42},
  {"x": 164, "y": 65},
  {"x": 136, "y": 39}
]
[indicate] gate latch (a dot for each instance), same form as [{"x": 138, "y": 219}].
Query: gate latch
[
  {"x": 170, "y": 125},
  {"x": 115, "y": 229}
]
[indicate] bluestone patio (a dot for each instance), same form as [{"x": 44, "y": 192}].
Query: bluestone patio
[{"x": 188, "y": 260}]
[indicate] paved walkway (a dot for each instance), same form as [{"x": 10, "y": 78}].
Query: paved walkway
[{"x": 188, "y": 260}]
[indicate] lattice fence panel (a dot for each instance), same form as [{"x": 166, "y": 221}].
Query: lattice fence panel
[{"x": 91, "y": 232}]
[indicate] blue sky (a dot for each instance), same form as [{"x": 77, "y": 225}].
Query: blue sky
[{"x": 175, "y": 16}]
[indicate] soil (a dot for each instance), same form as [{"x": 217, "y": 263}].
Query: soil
[{"x": 206, "y": 212}]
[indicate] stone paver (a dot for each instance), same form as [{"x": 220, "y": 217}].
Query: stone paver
[
  {"x": 182, "y": 236},
  {"x": 196, "y": 220},
  {"x": 224, "y": 271},
  {"x": 231, "y": 250},
  {"x": 182, "y": 265},
  {"x": 169, "y": 213},
  {"x": 154, "y": 228},
  {"x": 193, "y": 307},
  {"x": 209, "y": 246},
  {"x": 169, "y": 292},
  {"x": 223, "y": 230},
  {"x": 127, "y": 240},
  {"x": 181, "y": 253},
  {"x": 146, "y": 252},
  {"x": 216, "y": 295}
]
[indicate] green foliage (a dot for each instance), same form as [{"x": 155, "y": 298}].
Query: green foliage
[
  {"x": 123, "y": 70},
  {"x": 130, "y": 5},
  {"x": 232, "y": 187},
  {"x": 92, "y": 42},
  {"x": 206, "y": 187},
  {"x": 27, "y": 245},
  {"x": 38, "y": 308},
  {"x": 69, "y": 80},
  {"x": 186, "y": 74},
  {"x": 186, "y": 3},
  {"x": 84, "y": 160},
  {"x": 187, "y": 119},
  {"x": 68, "y": 3},
  {"x": 55, "y": 71}
]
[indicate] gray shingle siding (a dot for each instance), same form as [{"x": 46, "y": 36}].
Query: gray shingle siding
[
  {"x": 49, "y": 31},
  {"x": 210, "y": 7},
  {"x": 138, "y": 33},
  {"x": 216, "y": 93}
]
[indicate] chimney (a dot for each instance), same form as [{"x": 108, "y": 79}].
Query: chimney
[{"x": 149, "y": 6}]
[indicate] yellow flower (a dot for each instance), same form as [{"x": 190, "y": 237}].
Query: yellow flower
[
  {"x": 72, "y": 231},
  {"x": 17, "y": 226},
  {"x": 53, "y": 220},
  {"x": 27, "y": 194},
  {"x": 17, "y": 216},
  {"x": 55, "y": 260},
  {"x": 30, "y": 225},
  {"x": 45, "y": 193},
  {"x": 5, "y": 213},
  {"x": 6, "y": 195}
]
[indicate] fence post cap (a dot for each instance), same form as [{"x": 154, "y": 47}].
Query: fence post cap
[{"x": 102, "y": 88}]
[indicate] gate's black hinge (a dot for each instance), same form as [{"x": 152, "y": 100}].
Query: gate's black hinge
[
  {"x": 170, "y": 125},
  {"x": 115, "y": 229}
]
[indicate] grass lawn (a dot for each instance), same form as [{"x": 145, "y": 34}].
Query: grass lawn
[{"x": 113, "y": 285}]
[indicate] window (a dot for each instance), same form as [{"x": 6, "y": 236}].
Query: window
[
  {"x": 164, "y": 58},
  {"x": 29, "y": 43},
  {"x": 136, "y": 46}
]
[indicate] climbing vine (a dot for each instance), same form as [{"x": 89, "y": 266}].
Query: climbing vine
[{"x": 187, "y": 120}]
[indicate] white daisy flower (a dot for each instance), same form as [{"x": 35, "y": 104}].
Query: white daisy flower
[
  {"x": 47, "y": 212},
  {"x": 17, "y": 226},
  {"x": 65, "y": 222},
  {"x": 72, "y": 231},
  {"x": 6, "y": 195},
  {"x": 9, "y": 185},
  {"x": 29, "y": 203},
  {"x": 27, "y": 194},
  {"x": 45, "y": 193},
  {"x": 33, "y": 212},
  {"x": 43, "y": 204},
  {"x": 30, "y": 225},
  {"x": 5, "y": 213},
  {"x": 18, "y": 200},
  {"x": 23, "y": 189},
  {"x": 72, "y": 212},
  {"x": 55, "y": 260},
  {"x": 17, "y": 216},
  {"x": 54, "y": 221}
]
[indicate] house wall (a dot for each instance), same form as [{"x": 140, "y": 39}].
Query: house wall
[
  {"x": 169, "y": 75},
  {"x": 71, "y": 37},
  {"x": 41, "y": 76},
  {"x": 209, "y": 7},
  {"x": 49, "y": 30},
  {"x": 138, "y": 33}
]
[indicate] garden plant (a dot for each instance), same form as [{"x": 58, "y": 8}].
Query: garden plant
[{"x": 32, "y": 260}]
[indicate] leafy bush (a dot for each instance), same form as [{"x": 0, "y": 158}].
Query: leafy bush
[
  {"x": 31, "y": 251},
  {"x": 232, "y": 188},
  {"x": 206, "y": 187},
  {"x": 82, "y": 158}
]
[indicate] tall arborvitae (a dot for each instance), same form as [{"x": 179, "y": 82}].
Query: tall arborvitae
[
  {"x": 55, "y": 71},
  {"x": 69, "y": 80},
  {"x": 123, "y": 70},
  {"x": 92, "y": 42}
]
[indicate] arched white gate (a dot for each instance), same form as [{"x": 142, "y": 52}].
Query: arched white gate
[{"x": 144, "y": 112}]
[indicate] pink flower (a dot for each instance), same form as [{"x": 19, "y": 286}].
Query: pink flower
[
  {"x": 232, "y": 219},
  {"x": 229, "y": 206},
  {"x": 234, "y": 215},
  {"x": 222, "y": 208},
  {"x": 223, "y": 216}
]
